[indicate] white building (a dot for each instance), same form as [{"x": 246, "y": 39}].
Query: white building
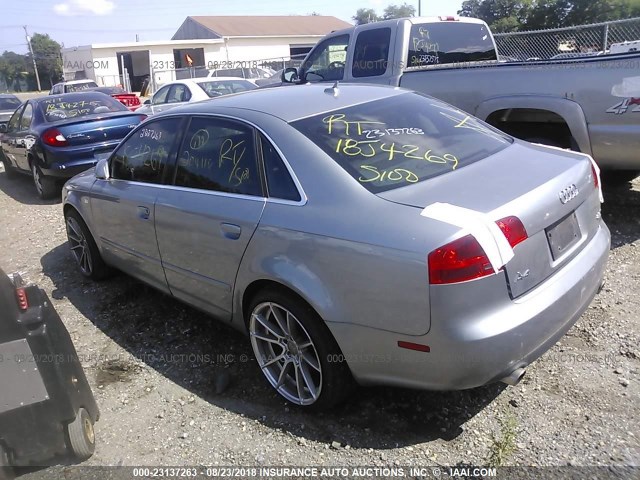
[{"x": 200, "y": 42}]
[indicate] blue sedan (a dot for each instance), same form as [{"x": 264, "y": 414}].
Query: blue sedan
[{"x": 56, "y": 137}]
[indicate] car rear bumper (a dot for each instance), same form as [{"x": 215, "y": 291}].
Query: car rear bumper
[
  {"x": 483, "y": 348},
  {"x": 69, "y": 168}
]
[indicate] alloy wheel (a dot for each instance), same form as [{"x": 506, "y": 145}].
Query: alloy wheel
[
  {"x": 286, "y": 353},
  {"x": 79, "y": 246}
]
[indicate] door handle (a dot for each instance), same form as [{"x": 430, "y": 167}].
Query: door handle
[
  {"x": 230, "y": 231},
  {"x": 143, "y": 213}
]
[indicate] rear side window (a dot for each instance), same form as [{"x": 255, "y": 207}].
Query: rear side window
[
  {"x": 219, "y": 155},
  {"x": 279, "y": 181},
  {"x": 27, "y": 116},
  {"x": 401, "y": 140},
  {"x": 371, "y": 53},
  {"x": 449, "y": 42},
  {"x": 144, "y": 156}
]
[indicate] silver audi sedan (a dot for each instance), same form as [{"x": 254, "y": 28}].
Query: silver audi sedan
[{"x": 358, "y": 234}]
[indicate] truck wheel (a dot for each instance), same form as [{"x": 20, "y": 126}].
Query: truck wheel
[
  {"x": 82, "y": 439},
  {"x": 45, "y": 186},
  {"x": 84, "y": 249},
  {"x": 6, "y": 471},
  {"x": 296, "y": 351}
]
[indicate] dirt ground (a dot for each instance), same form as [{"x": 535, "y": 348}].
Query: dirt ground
[{"x": 177, "y": 388}]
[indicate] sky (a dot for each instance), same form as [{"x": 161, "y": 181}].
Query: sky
[{"x": 83, "y": 22}]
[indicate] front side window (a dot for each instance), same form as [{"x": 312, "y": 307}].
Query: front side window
[
  {"x": 327, "y": 60},
  {"x": 219, "y": 155},
  {"x": 144, "y": 156},
  {"x": 370, "y": 58},
  {"x": 449, "y": 42},
  {"x": 401, "y": 140},
  {"x": 161, "y": 95},
  {"x": 14, "y": 121}
]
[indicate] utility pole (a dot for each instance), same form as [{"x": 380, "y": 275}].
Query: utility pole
[
  {"x": 419, "y": 8},
  {"x": 33, "y": 57}
]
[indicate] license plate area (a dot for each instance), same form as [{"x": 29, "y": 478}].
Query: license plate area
[{"x": 563, "y": 235}]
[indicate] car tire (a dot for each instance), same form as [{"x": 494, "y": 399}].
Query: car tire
[
  {"x": 6, "y": 471},
  {"x": 82, "y": 438},
  {"x": 45, "y": 186},
  {"x": 83, "y": 248},
  {"x": 296, "y": 351}
]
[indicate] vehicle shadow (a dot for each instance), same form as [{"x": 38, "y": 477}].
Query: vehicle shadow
[
  {"x": 21, "y": 189},
  {"x": 621, "y": 212},
  {"x": 216, "y": 363}
]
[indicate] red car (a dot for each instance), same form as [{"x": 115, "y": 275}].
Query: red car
[{"x": 129, "y": 100}]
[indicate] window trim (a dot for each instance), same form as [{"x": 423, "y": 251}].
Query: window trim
[
  {"x": 18, "y": 114},
  {"x": 303, "y": 196}
]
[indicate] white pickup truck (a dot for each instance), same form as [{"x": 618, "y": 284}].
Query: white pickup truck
[{"x": 591, "y": 104}]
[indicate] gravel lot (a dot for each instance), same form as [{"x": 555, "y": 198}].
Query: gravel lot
[{"x": 177, "y": 388}]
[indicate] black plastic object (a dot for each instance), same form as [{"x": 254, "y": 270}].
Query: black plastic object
[{"x": 43, "y": 387}]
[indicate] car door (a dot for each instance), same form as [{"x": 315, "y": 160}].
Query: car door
[
  {"x": 24, "y": 138},
  {"x": 205, "y": 221},
  {"x": 9, "y": 141},
  {"x": 123, "y": 205}
]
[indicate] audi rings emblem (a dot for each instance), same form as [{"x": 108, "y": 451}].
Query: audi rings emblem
[{"x": 569, "y": 193}]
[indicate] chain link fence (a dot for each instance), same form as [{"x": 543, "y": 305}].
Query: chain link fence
[{"x": 591, "y": 39}]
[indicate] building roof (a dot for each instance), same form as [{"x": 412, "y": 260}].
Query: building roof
[{"x": 262, "y": 26}]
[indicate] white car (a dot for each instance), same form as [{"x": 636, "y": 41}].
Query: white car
[
  {"x": 181, "y": 92},
  {"x": 72, "y": 86}
]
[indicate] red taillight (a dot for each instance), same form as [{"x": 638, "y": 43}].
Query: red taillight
[
  {"x": 448, "y": 18},
  {"x": 23, "y": 302},
  {"x": 465, "y": 259},
  {"x": 595, "y": 175},
  {"x": 513, "y": 229},
  {"x": 418, "y": 347},
  {"x": 458, "y": 261},
  {"x": 54, "y": 138}
]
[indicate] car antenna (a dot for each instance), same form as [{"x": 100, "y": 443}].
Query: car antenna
[{"x": 335, "y": 91}]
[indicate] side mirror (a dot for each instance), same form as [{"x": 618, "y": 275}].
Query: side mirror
[
  {"x": 102, "y": 169},
  {"x": 3, "y": 128},
  {"x": 147, "y": 102},
  {"x": 290, "y": 75}
]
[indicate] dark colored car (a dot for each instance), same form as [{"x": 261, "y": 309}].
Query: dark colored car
[
  {"x": 46, "y": 405},
  {"x": 8, "y": 105},
  {"x": 128, "y": 99},
  {"x": 56, "y": 137}
]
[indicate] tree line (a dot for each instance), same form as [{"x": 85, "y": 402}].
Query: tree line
[
  {"x": 518, "y": 15},
  {"x": 16, "y": 70}
]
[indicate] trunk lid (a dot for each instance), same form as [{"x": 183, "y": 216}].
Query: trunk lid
[
  {"x": 97, "y": 128},
  {"x": 551, "y": 191}
]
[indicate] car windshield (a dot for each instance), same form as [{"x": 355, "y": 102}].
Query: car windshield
[
  {"x": 401, "y": 140},
  {"x": 225, "y": 87},
  {"x": 9, "y": 103},
  {"x": 73, "y": 106},
  {"x": 78, "y": 87}
]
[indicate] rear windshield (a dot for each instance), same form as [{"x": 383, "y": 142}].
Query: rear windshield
[
  {"x": 225, "y": 87},
  {"x": 61, "y": 107},
  {"x": 9, "y": 103},
  {"x": 78, "y": 87},
  {"x": 401, "y": 140},
  {"x": 449, "y": 42}
]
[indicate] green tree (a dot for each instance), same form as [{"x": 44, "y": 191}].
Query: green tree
[
  {"x": 365, "y": 15},
  {"x": 399, "y": 11},
  {"x": 13, "y": 66},
  {"x": 48, "y": 57}
]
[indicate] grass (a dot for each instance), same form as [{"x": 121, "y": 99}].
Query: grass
[{"x": 503, "y": 444}]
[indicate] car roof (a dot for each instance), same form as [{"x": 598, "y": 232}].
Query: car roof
[
  {"x": 216, "y": 79},
  {"x": 294, "y": 102},
  {"x": 75, "y": 82}
]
